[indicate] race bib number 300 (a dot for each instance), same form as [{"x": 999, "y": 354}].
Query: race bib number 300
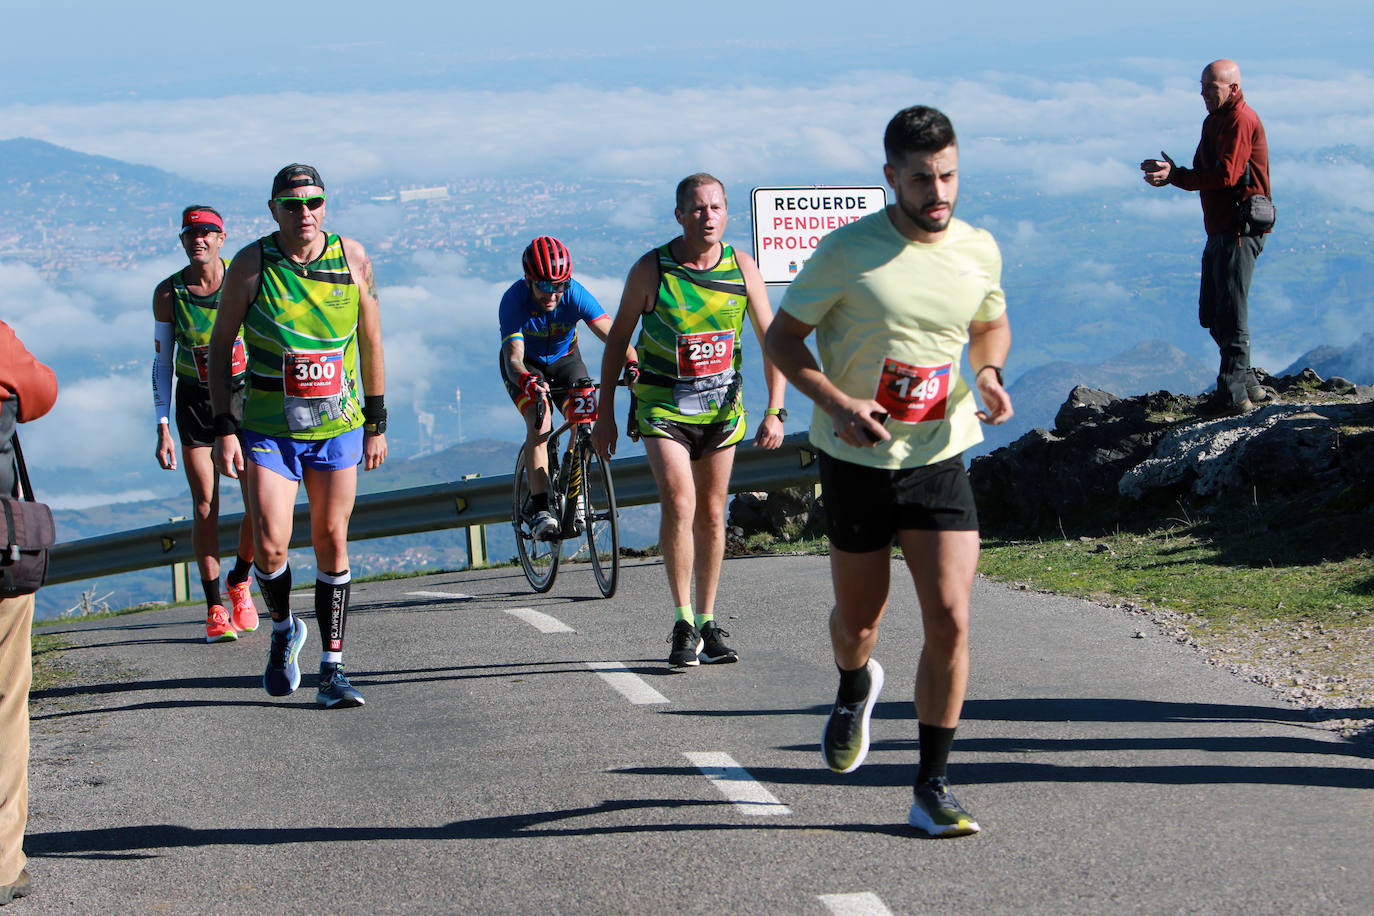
[
  {"x": 913, "y": 394},
  {"x": 238, "y": 363},
  {"x": 312, "y": 373},
  {"x": 704, "y": 353}
]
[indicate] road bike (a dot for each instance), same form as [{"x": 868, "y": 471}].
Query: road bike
[{"x": 581, "y": 497}]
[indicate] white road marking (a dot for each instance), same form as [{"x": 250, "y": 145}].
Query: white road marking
[
  {"x": 865, "y": 904},
  {"x": 631, "y": 686},
  {"x": 735, "y": 783},
  {"x": 456, "y": 596},
  {"x": 539, "y": 620}
]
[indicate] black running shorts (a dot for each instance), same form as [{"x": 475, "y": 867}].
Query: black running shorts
[
  {"x": 561, "y": 373},
  {"x": 866, "y": 507},
  {"x": 195, "y": 418}
]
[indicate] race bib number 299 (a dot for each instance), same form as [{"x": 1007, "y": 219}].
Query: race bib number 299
[
  {"x": 913, "y": 394},
  {"x": 705, "y": 353}
]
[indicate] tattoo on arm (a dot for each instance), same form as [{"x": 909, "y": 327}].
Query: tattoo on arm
[{"x": 370, "y": 280}]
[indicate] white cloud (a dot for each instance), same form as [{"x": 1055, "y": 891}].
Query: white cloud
[
  {"x": 1164, "y": 208},
  {"x": 1067, "y": 136}
]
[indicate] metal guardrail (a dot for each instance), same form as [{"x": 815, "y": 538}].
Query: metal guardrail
[{"x": 459, "y": 504}]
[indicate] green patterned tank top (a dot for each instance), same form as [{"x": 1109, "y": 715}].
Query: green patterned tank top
[
  {"x": 193, "y": 318},
  {"x": 689, "y": 343},
  {"x": 302, "y": 336}
]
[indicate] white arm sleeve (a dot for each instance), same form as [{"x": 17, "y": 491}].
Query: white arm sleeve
[{"x": 162, "y": 369}]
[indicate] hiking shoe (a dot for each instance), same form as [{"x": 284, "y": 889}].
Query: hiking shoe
[
  {"x": 283, "y": 675},
  {"x": 22, "y": 887},
  {"x": 844, "y": 743},
  {"x": 335, "y": 692},
  {"x": 1262, "y": 395},
  {"x": 1216, "y": 407},
  {"x": 245, "y": 616},
  {"x": 713, "y": 650},
  {"x": 686, "y": 642},
  {"x": 217, "y": 625},
  {"x": 936, "y": 812},
  {"x": 544, "y": 527}
]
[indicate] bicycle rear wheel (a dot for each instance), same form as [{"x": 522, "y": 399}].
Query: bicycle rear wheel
[
  {"x": 603, "y": 528},
  {"x": 539, "y": 559}
]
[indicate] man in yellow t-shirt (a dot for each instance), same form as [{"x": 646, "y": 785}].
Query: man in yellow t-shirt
[{"x": 893, "y": 299}]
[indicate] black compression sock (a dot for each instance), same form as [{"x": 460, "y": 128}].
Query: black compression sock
[
  {"x": 331, "y": 607},
  {"x": 539, "y": 502},
  {"x": 239, "y": 574},
  {"x": 935, "y": 746},
  {"x": 276, "y": 591},
  {"x": 854, "y": 685},
  {"x": 212, "y": 595}
]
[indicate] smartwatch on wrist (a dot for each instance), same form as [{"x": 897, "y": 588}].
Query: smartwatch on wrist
[{"x": 779, "y": 412}]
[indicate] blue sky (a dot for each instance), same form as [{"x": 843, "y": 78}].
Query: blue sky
[{"x": 1064, "y": 98}]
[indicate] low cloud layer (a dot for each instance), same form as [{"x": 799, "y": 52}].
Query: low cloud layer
[{"x": 1064, "y": 137}]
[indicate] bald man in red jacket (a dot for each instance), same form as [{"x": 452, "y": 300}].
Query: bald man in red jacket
[{"x": 1230, "y": 165}]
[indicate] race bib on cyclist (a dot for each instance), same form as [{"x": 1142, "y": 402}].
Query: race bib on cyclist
[
  {"x": 312, "y": 373},
  {"x": 238, "y": 363},
  {"x": 581, "y": 405},
  {"x": 913, "y": 394},
  {"x": 705, "y": 353}
]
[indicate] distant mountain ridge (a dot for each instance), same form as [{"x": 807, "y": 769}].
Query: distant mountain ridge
[
  {"x": 1036, "y": 396},
  {"x": 1355, "y": 362},
  {"x": 31, "y": 170}
]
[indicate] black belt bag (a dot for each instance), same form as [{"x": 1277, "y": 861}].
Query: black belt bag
[
  {"x": 1256, "y": 215},
  {"x": 26, "y": 533}
]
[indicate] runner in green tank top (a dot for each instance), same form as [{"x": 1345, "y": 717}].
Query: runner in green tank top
[
  {"x": 184, "y": 308},
  {"x": 690, "y": 297},
  {"x": 308, "y": 303}
]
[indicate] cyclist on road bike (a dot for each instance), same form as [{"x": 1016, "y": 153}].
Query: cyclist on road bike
[{"x": 539, "y": 315}]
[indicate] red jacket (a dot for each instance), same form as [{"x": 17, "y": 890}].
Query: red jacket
[
  {"x": 27, "y": 384},
  {"x": 1231, "y": 137}
]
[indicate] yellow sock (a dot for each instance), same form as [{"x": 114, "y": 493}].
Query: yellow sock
[
  {"x": 683, "y": 612},
  {"x": 703, "y": 619}
]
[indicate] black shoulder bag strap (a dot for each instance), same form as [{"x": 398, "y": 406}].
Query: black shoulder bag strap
[{"x": 22, "y": 468}]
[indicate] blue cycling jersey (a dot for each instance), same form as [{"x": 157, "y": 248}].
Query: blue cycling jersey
[{"x": 548, "y": 336}]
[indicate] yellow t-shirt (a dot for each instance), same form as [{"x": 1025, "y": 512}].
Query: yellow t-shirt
[{"x": 891, "y": 318}]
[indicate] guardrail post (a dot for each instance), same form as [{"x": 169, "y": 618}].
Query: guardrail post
[
  {"x": 181, "y": 574},
  {"x": 476, "y": 537}
]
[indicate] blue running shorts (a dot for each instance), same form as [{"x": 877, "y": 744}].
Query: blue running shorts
[{"x": 286, "y": 456}]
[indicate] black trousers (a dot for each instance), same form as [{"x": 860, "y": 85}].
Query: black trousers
[{"x": 1228, "y": 263}]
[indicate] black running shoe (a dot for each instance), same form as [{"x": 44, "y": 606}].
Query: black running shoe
[
  {"x": 844, "y": 743},
  {"x": 713, "y": 649},
  {"x": 686, "y": 642},
  {"x": 936, "y": 813},
  {"x": 335, "y": 692}
]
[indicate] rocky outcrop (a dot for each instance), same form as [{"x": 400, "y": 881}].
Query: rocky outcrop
[{"x": 1112, "y": 460}]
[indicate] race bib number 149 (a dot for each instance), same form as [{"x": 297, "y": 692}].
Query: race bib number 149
[{"x": 913, "y": 394}]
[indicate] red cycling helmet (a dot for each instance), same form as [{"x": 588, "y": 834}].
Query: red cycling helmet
[{"x": 546, "y": 258}]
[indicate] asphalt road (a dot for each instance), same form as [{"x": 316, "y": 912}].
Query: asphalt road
[{"x": 525, "y": 754}]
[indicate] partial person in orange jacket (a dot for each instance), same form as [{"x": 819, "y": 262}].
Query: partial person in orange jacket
[{"x": 28, "y": 390}]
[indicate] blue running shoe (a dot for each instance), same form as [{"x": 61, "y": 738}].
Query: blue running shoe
[
  {"x": 283, "y": 675},
  {"x": 335, "y": 691}
]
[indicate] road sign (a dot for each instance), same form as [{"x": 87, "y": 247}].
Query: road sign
[{"x": 790, "y": 222}]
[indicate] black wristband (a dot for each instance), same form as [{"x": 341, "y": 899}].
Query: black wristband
[
  {"x": 225, "y": 424},
  {"x": 374, "y": 413},
  {"x": 997, "y": 370}
]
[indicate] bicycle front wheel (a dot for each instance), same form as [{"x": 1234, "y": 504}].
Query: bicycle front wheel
[
  {"x": 539, "y": 559},
  {"x": 603, "y": 528}
]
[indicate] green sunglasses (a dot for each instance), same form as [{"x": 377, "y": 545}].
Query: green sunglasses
[{"x": 296, "y": 204}]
